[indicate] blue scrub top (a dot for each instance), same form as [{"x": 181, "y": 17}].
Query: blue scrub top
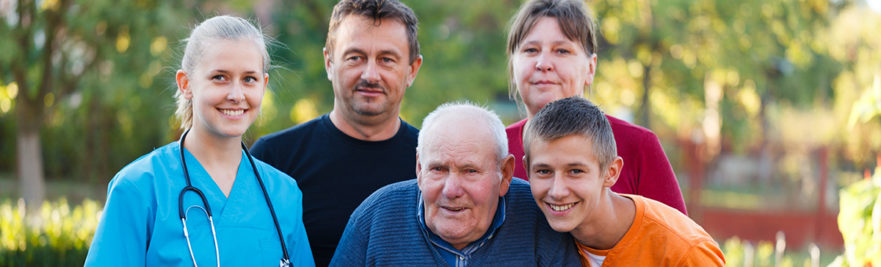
[{"x": 140, "y": 224}]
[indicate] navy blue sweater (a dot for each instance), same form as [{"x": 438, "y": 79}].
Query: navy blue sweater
[{"x": 384, "y": 231}]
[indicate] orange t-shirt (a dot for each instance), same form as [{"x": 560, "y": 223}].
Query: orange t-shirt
[{"x": 659, "y": 236}]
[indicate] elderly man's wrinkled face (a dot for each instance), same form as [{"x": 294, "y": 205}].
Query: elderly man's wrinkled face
[{"x": 460, "y": 179}]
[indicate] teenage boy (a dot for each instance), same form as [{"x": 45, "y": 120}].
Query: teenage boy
[{"x": 572, "y": 162}]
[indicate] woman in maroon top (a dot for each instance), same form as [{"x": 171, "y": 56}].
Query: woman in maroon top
[{"x": 552, "y": 55}]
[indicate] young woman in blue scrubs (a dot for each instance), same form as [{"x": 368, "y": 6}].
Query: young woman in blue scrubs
[{"x": 221, "y": 84}]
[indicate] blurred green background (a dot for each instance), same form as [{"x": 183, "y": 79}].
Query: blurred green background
[{"x": 766, "y": 109}]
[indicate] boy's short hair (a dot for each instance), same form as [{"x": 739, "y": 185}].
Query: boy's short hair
[{"x": 573, "y": 116}]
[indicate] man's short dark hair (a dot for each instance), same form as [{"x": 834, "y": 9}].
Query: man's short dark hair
[
  {"x": 573, "y": 116},
  {"x": 377, "y": 10}
]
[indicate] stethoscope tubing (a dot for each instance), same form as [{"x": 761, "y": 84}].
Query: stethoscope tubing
[{"x": 284, "y": 261}]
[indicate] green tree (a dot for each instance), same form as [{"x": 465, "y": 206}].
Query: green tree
[
  {"x": 62, "y": 56},
  {"x": 711, "y": 52}
]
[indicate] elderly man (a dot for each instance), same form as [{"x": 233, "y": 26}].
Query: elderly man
[
  {"x": 371, "y": 57},
  {"x": 462, "y": 209}
]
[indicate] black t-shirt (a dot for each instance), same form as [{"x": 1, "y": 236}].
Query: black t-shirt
[{"x": 336, "y": 172}]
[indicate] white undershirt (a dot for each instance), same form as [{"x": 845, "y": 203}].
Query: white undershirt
[{"x": 595, "y": 260}]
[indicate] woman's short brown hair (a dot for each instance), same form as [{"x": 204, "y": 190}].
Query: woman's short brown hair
[{"x": 573, "y": 17}]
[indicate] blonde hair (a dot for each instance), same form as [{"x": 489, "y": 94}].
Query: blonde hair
[{"x": 219, "y": 27}]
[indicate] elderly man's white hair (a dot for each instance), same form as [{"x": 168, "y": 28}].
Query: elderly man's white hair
[{"x": 489, "y": 118}]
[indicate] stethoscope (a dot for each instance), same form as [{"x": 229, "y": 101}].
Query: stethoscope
[{"x": 284, "y": 262}]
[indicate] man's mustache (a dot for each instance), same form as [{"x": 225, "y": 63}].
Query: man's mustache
[{"x": 364, "y": 84}]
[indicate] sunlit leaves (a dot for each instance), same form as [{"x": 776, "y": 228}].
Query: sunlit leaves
[
  {"x": 49, "y": 5},
  {"x": 158, "y": 45},
  {"x": 303, "y": 111},
  {"x": 7, "y": 95},
  {"x": 49, "y": 99},
  {"x": 869, "y": 104},
  {"x": 610, "y": 29},
  {"x": 147, "y": 77},
  {"x": 12, "y": 90},
  {"x": 748, "y": 98},
  {"x": 123, "y": 40},
  {"x": 859, "y": 220}
]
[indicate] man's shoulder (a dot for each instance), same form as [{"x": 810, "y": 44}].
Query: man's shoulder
[
  {"x": 409, "y": 131},
  {"x": 520, "y": 205},
  {"x": 276, "y": 178},
  {"x": 275, "y": 148},
  {"x": 519, "y": 189},
  {"x": 409, "y": 127},
  {"x": 387, "y": 207},
  {"x": 406, "y": 187},
  {"x": 294, "y": 132}
]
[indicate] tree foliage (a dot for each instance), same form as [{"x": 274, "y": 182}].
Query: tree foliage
[
  {"x": 860, "y": 222},
  {"x": 743, "y": 74},
  {"x": 80, "y": 76}
]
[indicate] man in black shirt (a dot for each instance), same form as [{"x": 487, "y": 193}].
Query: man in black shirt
[{"x": 371, "y": 57}]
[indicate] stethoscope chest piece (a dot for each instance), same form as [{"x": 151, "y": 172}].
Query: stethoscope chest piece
[{"x": 284, "y": 262}]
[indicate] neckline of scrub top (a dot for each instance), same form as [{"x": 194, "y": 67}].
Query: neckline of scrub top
[{"x": 202, "y": 179}]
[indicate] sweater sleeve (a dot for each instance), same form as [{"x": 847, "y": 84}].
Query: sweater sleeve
[{"x": 656, "y": 178}]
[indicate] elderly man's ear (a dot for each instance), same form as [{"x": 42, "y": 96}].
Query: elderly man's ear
[
  {"x": 418, "y": 168},
  {"x": 507, "y": 173}
]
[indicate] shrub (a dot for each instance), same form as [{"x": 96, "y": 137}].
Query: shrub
[
  {"x": 860, "y": 222},
  {"x": 57, "y": 236}
]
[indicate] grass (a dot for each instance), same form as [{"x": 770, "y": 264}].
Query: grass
[
  {"x": 761, "y": 198},
  {"x": 744, "y": 253},
  {"x": 74, "y": 191}
]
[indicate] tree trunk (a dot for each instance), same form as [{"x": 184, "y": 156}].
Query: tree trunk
[
  {"x": 645, "y": 108},
  {"x": 766, "y": 159},
  {"x": 29, "y": 155},
  {"x": 695, "y": 154}
]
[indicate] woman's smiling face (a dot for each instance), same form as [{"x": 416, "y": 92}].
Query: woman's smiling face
[
  {"x": 227, "y": 87},
  {"x": 548, "y": 66}
]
